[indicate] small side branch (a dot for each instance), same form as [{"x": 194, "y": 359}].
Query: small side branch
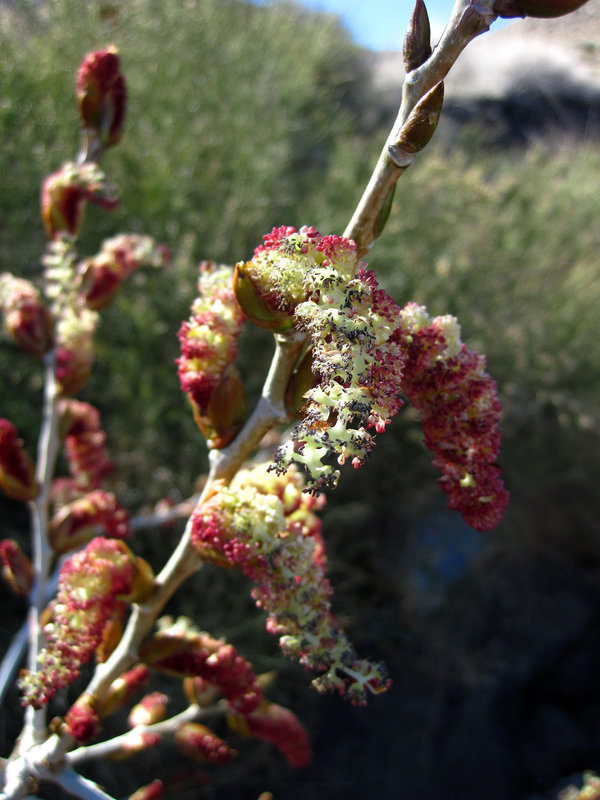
[{"x": 105, "y": 749}]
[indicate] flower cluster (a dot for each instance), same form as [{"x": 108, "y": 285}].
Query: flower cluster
[
  {"x": 17, "y": 473},
  {"x": 78, "y": 521},
  {"x": 265, "y": 524},
  {"x": 459, "y": 409},
  {"x": 102, "y": 96},
  {"x": 199, "y": 742},
  {"x": 318, "y": 283},
  {"x": 208, "y": 349},
  {"x": 92, "y": 582},
  {"x": 177, "y": 648},
  {"x": 26, "y": 317},
  {"x": 66, "y": 192},
  {"x": 84, "y": 442},
  {"x": 278, "y": 725},
  {"x": 102, "y": 275},
  {"x": 366, "y": 354},
  {"x": 75, "y": 324},
  {"x": 211, "y": 669}
]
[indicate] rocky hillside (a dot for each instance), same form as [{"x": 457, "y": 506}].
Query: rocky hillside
[{"x": 530, "y": 79}]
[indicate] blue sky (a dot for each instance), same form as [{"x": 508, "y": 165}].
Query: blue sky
[{"x": 381, "y": 24}]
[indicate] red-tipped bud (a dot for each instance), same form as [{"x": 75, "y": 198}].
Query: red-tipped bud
[
  {"x": 73, "y": 368},
  {"x": 184, "y": 652},
  {"x": 417, "y": 42},
  {"x": 17, "y": 569},
  {"x": 277, "y": 725},
  {"x": 78, "y": 522},
  {"x": 545, "y": 9},
  {"x": 81, "y": 429},
  {"x": 260, "y": 308},
  {"x": 102, "y": 96},
  {"x": 152, "y": 791},
  {"x": 124, "y": 688},
  {"x": 82, "y": 719},
  {"x": 151, "y": 709},
  {"x": 65, "y": 193},
  {"x": 17, "y": 474},
  {"x": 199, "y": 742},
  {"x": 27, "y": 319},
  {"x": 102, "y": 275},
  {"x": 225, "y": 412}
]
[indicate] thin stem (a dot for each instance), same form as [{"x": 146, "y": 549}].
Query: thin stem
[
  {"x": 167, "y": 726},
  {"x": 35, "y": 720},
  {"x": 79, "y": 786},
  {"x": 468, "y": 20}
]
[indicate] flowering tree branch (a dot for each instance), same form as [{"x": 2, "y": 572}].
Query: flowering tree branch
[{"x": 346, "y": 359}]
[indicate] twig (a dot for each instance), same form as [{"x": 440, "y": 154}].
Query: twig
[
  {"x": 468, "y": 20},
  {"x": 35, "y": 720},
  {"x": 166, "y": 726},
  {"x": 79, "y": 786}
]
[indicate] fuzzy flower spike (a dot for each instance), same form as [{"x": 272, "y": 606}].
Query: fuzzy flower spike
[
  {"x": 266, "y": 525},
  {"x": 367, "y": 355},
  {"x": 318, "y": 282}
]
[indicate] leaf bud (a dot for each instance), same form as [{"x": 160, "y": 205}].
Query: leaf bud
[
  {"x": 112, "y": 633},
  {"x": 151, "y": 709},
  {"x": 17, "y": 474},
  {"x": 17, "y": 569},
  {"x": 422, "y": 121},
  {"x": 259, "y": 308},
  {"x": 26, "y": 317},
  {"x": 417, "y": 42},
  {"x": 101, "y": 96},
  {"x": 225, "y": 412},
  {"x": 544, "y": 9},
  {"x": 200, "y": 692},
  {"x": 123, "y": 688},
  {"x": 200, "y": 743},
  {"x": 152, "y": 791},
  {"x": 142, "y": 581}
]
